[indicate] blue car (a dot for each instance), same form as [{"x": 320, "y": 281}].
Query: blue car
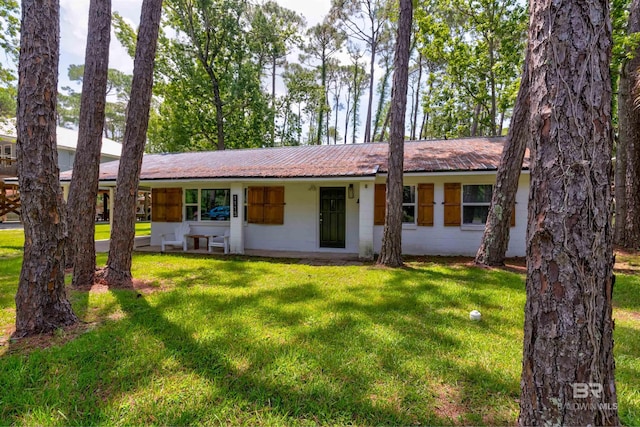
[{"x": 219, "y": 213}]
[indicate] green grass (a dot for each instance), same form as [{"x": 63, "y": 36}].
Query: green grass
[
  {"x": 273, "y": 342},
  {"x": 103, "y": 230}
]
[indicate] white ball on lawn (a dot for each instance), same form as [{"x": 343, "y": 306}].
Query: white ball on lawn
[{"x": 475, "y": 315}]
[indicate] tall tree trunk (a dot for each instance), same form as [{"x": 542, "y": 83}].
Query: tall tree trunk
[
  {"x": 476, "y": 120},
  {"x": 391, "y": 251},
  {"x": 217, "y": 100},
  {"x": 323, "y": 79},
  {"x": 492, "y": 79},
  {"x": 414, "y": 122},
  {"x": 630, "y": 137},
  {"x": 118, "y": 269},
  {"x": 372, "y": 68},
  {"x": 347, "y": 117},
  {"x": 41, "y": 301},
  {"x": 335, "y": 121},
  {"x": 327, "y": 118},
  {"x": 356, "y": 95},
  {"x": 495, "y": 239},
  {"x": 299, "y": 127},
  {"x": 381, "y": 101},
  {"x": 83, "y": 191},
  {"x": 385, "y": 125},
  {"x": 273, "y": 99},
  {"x": 568, "y": 365},
  {"x": 425, "y": 118}
]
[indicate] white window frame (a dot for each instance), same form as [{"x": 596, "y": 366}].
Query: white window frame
[
  {"x": 10, "y": 154},
  {"x": 414, "y": 204},
  {"x": 198, "y": 205},
  {"x": 464, "y": 204}
]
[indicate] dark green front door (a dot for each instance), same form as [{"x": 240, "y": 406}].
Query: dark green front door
[{"x": 332, "y": 217}]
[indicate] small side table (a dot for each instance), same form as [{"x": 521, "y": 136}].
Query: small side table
[{"x": 196, "y": 240}]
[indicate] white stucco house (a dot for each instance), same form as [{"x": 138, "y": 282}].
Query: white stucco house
[{"x": 329, "y": 198}]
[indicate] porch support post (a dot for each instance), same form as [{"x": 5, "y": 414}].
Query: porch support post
[
  {"x": 112, "y": 194},
  {"x": 65, "y": 192},
  {"x": 236, "y": 238},
  {"x": 366, "y": 220}
]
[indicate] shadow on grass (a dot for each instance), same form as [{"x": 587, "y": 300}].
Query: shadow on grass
[
  {"x": 626, "y": 292},
  {"x": 282, "y": 360},
  {"x": 342, "y": 386},
  {"x": 9, "y": 274},
  {"x": 320, "y": 403}
]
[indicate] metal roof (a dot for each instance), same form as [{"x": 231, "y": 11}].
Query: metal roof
[{"x": 322, "y": 161}]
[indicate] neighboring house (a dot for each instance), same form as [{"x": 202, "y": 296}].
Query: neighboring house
[
  {"x": 329, "y": 198},
  {"x": 67, "y": 141}
]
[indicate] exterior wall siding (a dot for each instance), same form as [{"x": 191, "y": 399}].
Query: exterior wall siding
[
  {"x": 300, "y": 231},
  {"x": 458, "y": 240}
]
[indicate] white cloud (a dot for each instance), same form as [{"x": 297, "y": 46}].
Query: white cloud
[
  {"x": 314, "y": 11},
  {"x": 74, "y": 22},
  {"x": 74, "y": 17}
]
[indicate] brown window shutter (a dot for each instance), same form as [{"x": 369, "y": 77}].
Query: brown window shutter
[
  {"x": 425, "y": 204},
  {"x": 255, "y": 205},
  {"x": 379, "y": 204},
  {"x": 513, "y": 216},
  {"x": 173, "y": 205},
  {"x": 166, "y": 204},
  {"x": 452, "y": 214},
  {"x": 158, "y": 204},
  {"x": 274, "y": 205}
]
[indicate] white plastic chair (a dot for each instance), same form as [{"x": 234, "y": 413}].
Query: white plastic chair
[
  {"x": 177, "y": 238},
  {"x": 220, "y": 242}
]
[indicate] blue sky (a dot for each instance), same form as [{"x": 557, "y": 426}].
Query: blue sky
[{"x": 73, "y": 29}]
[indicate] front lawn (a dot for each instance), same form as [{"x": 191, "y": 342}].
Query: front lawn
[{"x": 210, "y": 340}]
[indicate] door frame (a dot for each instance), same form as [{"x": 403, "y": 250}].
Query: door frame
[{"x": 344, "y": 227}]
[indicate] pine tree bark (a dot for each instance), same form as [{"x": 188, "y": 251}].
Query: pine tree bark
[
  {"x": 629, "y": 136},
  {"x": 117, "y": 273},
  {"x": 495, "y": 240},
  {"x": 41, "y": 302},
  {"x": 83, "y": 190},
  {"x": 416, "y": 106},
  {"x": 372, "y": 68},
  {"x": 391, "y": 251},
  {"x": 568, "y": 365}
]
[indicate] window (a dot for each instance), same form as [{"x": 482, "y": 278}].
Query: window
[
  {"x": 409, "y": 204},
  {"x": 7, "y": 151},
  {"x": 207, "y": 204},
  {"x": 215, "y": 204},
  {"x": 415, "y": 205},
  {"x": 476, "y": 200},
  {"x": 191, "y": 204}
]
